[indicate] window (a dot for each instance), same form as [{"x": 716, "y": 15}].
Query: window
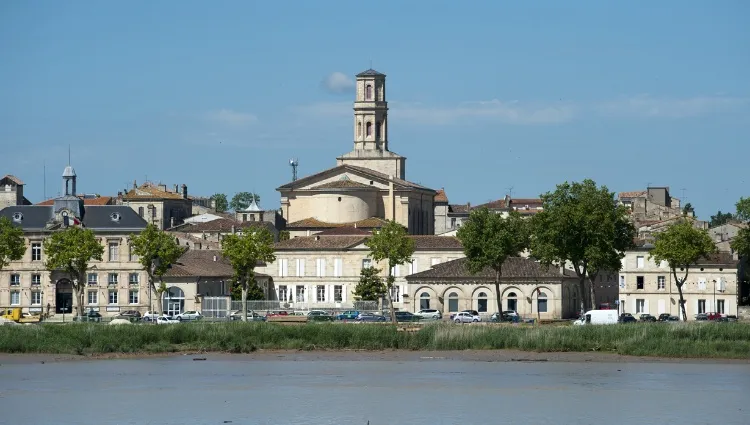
[
  {"x": 15, "y": 280},
  {"x": 140, "y": 211},
  {"x": 36, "y": 297},
  {"x": 396, "y": 294},
  {"x": 15, "y": 297},
  {"x": 283, "y": 267},
  {"x": 359, "y": 129},
  {"x": 338, "y": 265},
  {"x": 300, "y": 295},
  {"x": 378, "y": 128},
  {"x": 512, "y": 301},
  {"x": 701, "y": 306},
  {"x": 93, "y": 297},
  {"x": 133, "y": 278},
  {"x": 300, "y": 266},
  {"x": 720, "y": 306},
  {"x": 366, "y": 263},
  {"x": 395, "y": 270},
  {"x": 283, "y": 294},
  {"x": 114, "y": 251},
  {"x": 320, "y": 293},
  {"x": 321, "y": 267},
  {"x": 482, "y": 302},
  {"x": 338, "y": 293},
  {"x": 112, "y": 279},
  {"x": 113, "y": 296},
  {"x": 93, "y": 279},
  {"x": 639, "y": 260},
  {"x": 133, "y": 296},
  {"x": 661, "y": 282},
  {"x": 424, "y": 301},
  {"x": 639, "y": 282},
  {"x": 36, "y": 251},
  {"x": 640, "y": 306},
  {"x": 368, "y": 129},
  {"x": 36, "y": 279},
  {"x": 413, "y": 266},
  {"x": 702, "y": 284},
  {"x": 453, "y": 222},
  {"x": 541, "y": 302},
  {"x": 622, "y": 281},
  {"x": 368, "y": 92},
  {"x": 452, "y": 302},
  {"x": 132, "y": 255}
]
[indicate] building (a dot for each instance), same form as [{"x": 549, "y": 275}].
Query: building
[
  {"x": 216, "y": 230},
  {"x": 88, "y": 200},
  {"x": 724, "y": 234},
  {"x": 322, "y": 271},
  {"x": 115, "y": 284},
  {"x": 158, "y": 205},
  {"x": 254, "y": 212},
  {"x": 449, "y": 217},
  {"x": 647, "y": 230},
  {"x": 649, "y": 288},
  {"x": 368, "y": 183},
  {"x": 11, "y": 192},
  {"x": 533, "y": 290},
  {"x": 651, "y": 205}
]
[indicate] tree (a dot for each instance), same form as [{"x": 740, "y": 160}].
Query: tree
[
  {"x": 254, "y": 292},
  {"x": 70, "y": 250},
  {"x": 687, "y": 209},
  {"x": 242, "y": 200},
  {"x": 743, "y": 209},
  {"x": 12, "y": 245},
  {"x": 245, "y": 251},
  {"x": 370, "y": 286},
  {"x": 681, "y": 245},
  {"x": 220, "y": 202},
  {"x": 156, "y": 251},
  {"x": 720, "y": 218},
  {"x": 489, "y": 239},
  {"x": 581, "y": 223},
  {"x": 391, "y": 244}
]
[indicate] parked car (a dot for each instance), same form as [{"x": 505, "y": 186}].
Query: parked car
[
  {"x": 466, "y": 317},
  {"x": 472, "y": 312},
  {"x": 731, "y": 318},
  {"x": 664, "y": 317},
  {"x": 90, "y": 316},
  {"x": 274, "y": 313},
  {"x": 405, "y": 316},
  {"x": 251, "y": 316},
  {"x": 319, "y": 316},
  {"x": 627, "y": 318},
  {"x": 370, "y": 317},
  {"x": 188, "y": 315},
  {"x": 150, "y": 316},
  {"x": 701, "y": 317},
  {"x": 505, "y": 317},
  {"x": 430, "y": 314},
  {"x": 597, "y": 317},
  {"x": 348, "y": 315},
  {"x": 647, "y": 318},
  {"x": 166, "y": 320},
  {"x": 129, "y": 314}
]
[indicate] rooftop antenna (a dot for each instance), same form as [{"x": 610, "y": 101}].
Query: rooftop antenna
[
  {"x": 510, "y": 191},
  {"x": 370, "y": 63},
  {"x": 294, "y": 163},
  {"x": 68, "y": 154}
]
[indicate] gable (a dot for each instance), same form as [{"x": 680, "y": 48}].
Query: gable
[{"x": 357, "y": 177}]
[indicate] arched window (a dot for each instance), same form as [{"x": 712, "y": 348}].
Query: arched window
[
  {"x": 174, "y": 301},
  {"x": 424, "y": 301},
  {"x": 378, "y": 134},
  {"x": 359, "y": 129},
  {"x": 452, "y": 302},
  {"x": 368, "y": 129},
  {"x": 368, "y": 92},
  {"x": 482, "y": 302},
  {"x": 541, "y": 302},
  {"x": 512, "y": 301}
]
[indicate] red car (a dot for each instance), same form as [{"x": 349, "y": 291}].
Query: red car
[{"x": 277, "y": 313}]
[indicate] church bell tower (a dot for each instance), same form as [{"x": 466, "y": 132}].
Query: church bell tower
[{"x": 370, "y": 112}]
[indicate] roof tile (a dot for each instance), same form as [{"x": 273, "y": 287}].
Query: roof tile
[
  {"x": 514, "y": 267},
  {"x": 440, "y": 196},
  {"x": 310, "y": 222},
  {"x": 320, "y": 242}
]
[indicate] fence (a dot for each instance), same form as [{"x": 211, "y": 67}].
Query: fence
[
  {"x": 215, "y": 307},
  {"x": 261, "y": 306}
]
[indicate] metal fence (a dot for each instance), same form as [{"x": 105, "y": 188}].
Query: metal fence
[
  {"x": 299, "y": 307},
  {"x": 215, "y": 307}
]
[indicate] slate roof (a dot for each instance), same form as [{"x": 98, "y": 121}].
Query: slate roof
[
  {"x": 314, "y": 223},
  {"x": 459, "y": 208},
  {"x": 222, "y": 225},
  {"x": 514, "y": 268},
  {"x": 200, "y": 263},
  {"x": 428, "y": 242},
  {"x": 13, "y": 178},
  {"x": 440, "y": 196},
  {"x": 344, "y": 231},
  {"x": 319, "y": 243},
  {"x": 344, "y": 168},
  {"x": 370, "y": 72},
  {"x": 101, "y": 200},
  {"x": 35, "y": 217}
]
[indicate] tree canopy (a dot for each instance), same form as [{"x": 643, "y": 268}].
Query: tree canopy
[
  {"x": 245, "y": 250},
  {"x": 681, "y": 245},
  {"x": 12, "y": 245},
  {"x": 370, "y": 286},
  {"x": 687, "y": 209},
  {"x": 743, "y": 209},
  {"x": 71, "y": 250},
  {"x": 242, "y": 200},
  {"x": 220, "y": 202},
  {"x": 582, "y": 224},
  {"x": 157, "y": 251},
  {"x": 489, "y": 239},
  {"x": 720, "y": 218},
  {"x": 391, "y": 244}
]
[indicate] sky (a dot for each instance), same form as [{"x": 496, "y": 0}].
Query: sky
[{"x": 486, "y": 97}]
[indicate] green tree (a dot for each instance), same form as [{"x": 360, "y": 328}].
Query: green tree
[
  {"x": 220, "y": 202},
  {"x": 582, "y": 224},
  {"x": 681, "y": 245},
  {"x": 687, "y": 209},
  {"x": 254, "y": 292},
  {"x": 242, "y": 200},
  {"x": 156, "y": 251},
  {"x": 489, "y": 239},
  {"x": 70, "y": 250},
  {"x": 393, "y": 245},
  {"x": 12, "y": 245},
  {"x": 370, "y": 286},
  {"x": 720, "y": 218},
  {"x": 743, "y": 209},
  {"x": 284, "y": 235},
  {"x": 245, "y": 251}
]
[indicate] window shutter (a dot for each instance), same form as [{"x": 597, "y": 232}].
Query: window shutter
[
  {"x": 396, "y": 270},
  {"x": 645, "y": 306},
  {"x": 281, "y": 268},
  {"x": 343, "y": 293},
  {"x": 301, "y": 268}
]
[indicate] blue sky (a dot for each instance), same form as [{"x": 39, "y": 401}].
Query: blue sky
[{"x": 484, "y": 96}]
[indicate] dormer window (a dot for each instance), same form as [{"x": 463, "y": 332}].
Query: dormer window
[{"x": 17, "y": 217}]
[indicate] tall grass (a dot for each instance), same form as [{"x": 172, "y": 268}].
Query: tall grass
[{"x": 709, "y": 340}]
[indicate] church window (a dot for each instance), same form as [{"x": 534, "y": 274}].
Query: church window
[
  {"x": 368, "y": 127},
  {"x": 368, "y": 92},
  {"x": 359, "y": 129},
  {"x": 378, "y": 128}
]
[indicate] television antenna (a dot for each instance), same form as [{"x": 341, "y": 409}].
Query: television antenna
[
  {"x": 294, "y": 163},
  {"x": 510, "y": 191}
]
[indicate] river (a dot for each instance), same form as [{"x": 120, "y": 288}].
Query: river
[{"x": 428, "y": 390}]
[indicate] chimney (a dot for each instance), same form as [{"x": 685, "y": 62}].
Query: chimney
[
  {"x": 135, "y": 185},
  {"x": 214, "y": 258},
  {"x": 163, "y": 187},
  {"x": 176, "y": 189},
  {"x": 184, "y": 191}
]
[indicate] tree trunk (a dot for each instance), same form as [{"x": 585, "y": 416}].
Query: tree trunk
[
  {"x": 592, "y": 292},
  {"x": 388, "y": 288},
  {"x": 583, "y": 292},
  {"x": 152, "y": 285},
  {"x": 244, "y": 299},
  {"x": 499, "y": 273},
  {"x": 682, "y": 302}
]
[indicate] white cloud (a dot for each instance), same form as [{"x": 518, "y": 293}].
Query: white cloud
[
  {"x": 234, "y": 118},
  {"x": 338, "y": 82},
  {"x": 645, "y": 106}
]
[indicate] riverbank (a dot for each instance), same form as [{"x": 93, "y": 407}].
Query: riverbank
[{"x": 649, "y": 340}]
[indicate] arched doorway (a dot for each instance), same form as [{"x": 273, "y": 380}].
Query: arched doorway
[
  {"x": 452, "y": 302},
  {"x": 541, "y": 302},
  {"x": 64, "y": 296},
  {"x": 512, "y": 301},
  {"x": 424, "y": 301},
  {"x": 174, "y": 301},
  {"x": 482, "y": 302}
]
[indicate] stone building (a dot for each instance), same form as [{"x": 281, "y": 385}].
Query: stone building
[
  {"x": 115, "y": 284},
  {"x": 215, "y": 230},
  {"x": 158, "y": 205},
  {"x": 651, "y": 205},
  {"x": 367, "y": 183},
  {"x": 449, "y": 217},
  {"x": 254, "y": 213},
  {"x": 11, "y": 192}
]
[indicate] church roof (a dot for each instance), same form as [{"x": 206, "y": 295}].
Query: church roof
[
  {"x": 69, "y": 172},
  {"x": 370, "y": 73},
  {"x": 253, "y": 207},
  {"x": 314, "y": 223},
  {"x": 365, "y": 172},
  {"x": 343, "y": 183}
]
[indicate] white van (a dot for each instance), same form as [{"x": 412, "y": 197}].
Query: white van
[{"x": 598, "y": 317}]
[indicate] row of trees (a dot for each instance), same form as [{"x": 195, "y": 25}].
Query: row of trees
[{"x": 239, "y": 201}]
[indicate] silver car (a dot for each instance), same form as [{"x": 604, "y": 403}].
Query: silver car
[
  {"x": 430, "y": 314},
  {"x": 466, "y": 317}
]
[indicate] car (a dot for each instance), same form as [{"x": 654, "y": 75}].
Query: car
[
  {"x": 251, "y": 316},
  {"x": 730, "y": 318},
  {"x": 626, "y": 318},
  {"x": 472, "y": 312},
  {"x": 510, "y": 317},
  {"x": 90, "y": 316},
  {"x": 319, "y": 316},
  {"x": 128, "y": 314},
  {"x": 150, "y": 316},
  {"x": 430, "y": 314},
  {"x": 348, "y": 315},
  {"x": 466, "y": 317},
  {"x": 189, "y": 315},
  {"x": 370, "y": 317},
  {"x": 406, "y": 316},
  {"x": 664, "y": 317},
  {"x": 647, "y": 318},
  {"x": 166, "y": 320},
  {"x": 274, "y": 313}
]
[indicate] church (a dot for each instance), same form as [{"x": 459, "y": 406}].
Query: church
[{"x": 368, "y": 185}]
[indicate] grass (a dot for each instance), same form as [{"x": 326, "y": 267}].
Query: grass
[{"x": 707, "y": 340}]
